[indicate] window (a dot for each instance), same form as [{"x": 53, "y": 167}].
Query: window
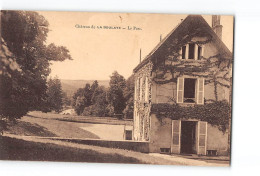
[
  {"x": 191, "y": 51},
  {"x": 146, "y": 90},
  {"x": 128, "y": 134},
  {"x": 199, "y": 52},
  {"x": 183, "y": 50},
  {"x": 140, "y": 88},
  {"x": 190, "y": 90}
]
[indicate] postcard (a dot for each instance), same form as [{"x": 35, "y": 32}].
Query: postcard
[{"x": 130, "y": 88}]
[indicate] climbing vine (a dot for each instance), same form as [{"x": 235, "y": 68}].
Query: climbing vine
[
  {"x": 168, "y": 66},
  {"x": 216, "y": 113}
]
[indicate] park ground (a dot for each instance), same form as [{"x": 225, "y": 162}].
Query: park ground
[{"x": 33, "y": 138}]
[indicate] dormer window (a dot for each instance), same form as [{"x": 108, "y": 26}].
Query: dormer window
[{"x": 191, "y": 51}]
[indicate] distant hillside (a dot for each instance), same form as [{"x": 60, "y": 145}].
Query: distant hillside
[{"x": 71, "y": 86}]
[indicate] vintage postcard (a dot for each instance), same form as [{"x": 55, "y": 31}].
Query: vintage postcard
[{"x": 116, "y": 87}]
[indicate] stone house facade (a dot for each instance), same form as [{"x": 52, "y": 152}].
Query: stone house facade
[{"x": 188, "y": 88}]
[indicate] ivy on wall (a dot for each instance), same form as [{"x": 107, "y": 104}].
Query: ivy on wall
[{"x": 216, "y": 113}]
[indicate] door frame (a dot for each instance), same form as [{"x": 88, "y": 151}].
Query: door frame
[{"x": 200, "y": 150}]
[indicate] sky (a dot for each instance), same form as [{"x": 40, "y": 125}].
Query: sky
[{"x": 97, "y": 53}]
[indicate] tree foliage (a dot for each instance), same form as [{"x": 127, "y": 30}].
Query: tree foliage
[
  {"x": 26, "y": 58},
  {"x": 55, "y": 95},
  {"x": 115, "y": 94},
  {"x": 129, "y": 97},
  {"x": 84, "y": 97}
]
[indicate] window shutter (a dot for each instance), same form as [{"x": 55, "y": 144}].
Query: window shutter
[
  {"x": 180, "y": 90},
  {"x": 176, "y": 136},
  {"x": 200, "y": 89},
  {"x": 202, "y": 138}
]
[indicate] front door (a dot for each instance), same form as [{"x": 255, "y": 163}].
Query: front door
[{"x": 188, "y": 137}]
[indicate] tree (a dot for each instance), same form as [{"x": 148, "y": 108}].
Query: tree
[
  {"x": 23, "y": 78},
  {"x": 66, "y": 101},
  {"x": 54, "y": 95},
  {"x": 115, "y": 93},
  {"x": 83, "y": 97},
  {"x": 99, "y": 103},
  {"x": 129, "y": 97}
]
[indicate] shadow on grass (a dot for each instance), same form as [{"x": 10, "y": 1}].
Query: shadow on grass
[
  {"x": 17, "y": 149},
  {"x": 29, "y": 129}
]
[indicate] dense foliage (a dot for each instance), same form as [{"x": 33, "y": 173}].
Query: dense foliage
[
  {"x": 95, "y": 100},
  {"x": 25, "y": 61},
  {"x": 115, "y": 94},
  {"x": 54, "y": 101},
  {"x": 216, "y": 113},
  {"x": 129, "y": 97}
]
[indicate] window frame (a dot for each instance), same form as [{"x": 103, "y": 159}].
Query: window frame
[
  {"x": 185, "y": 56},
  {"x": 197, "y": 90}
]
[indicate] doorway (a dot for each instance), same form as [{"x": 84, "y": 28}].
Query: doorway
[{"x": 188, "y": 137}]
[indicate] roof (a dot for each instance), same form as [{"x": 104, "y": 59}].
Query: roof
[{"x": 191, "y": 22}]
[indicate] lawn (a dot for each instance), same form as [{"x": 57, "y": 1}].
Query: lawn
[
  {"x": 17, "y": 149},
  {"x": 56, "y": 125}
]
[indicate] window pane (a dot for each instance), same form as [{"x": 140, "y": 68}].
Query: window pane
[
  {"x": 189, "y": 88},
  {"x": 191, "y": 50},
  {"x": 183, "y": 52},
  {"x": 199, "y": 52}
]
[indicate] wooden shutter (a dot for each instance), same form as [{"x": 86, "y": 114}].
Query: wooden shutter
[
  {"x": 176, "y": 136},
  {"x": 202, "y": 138},
  {"x": 200, "y": 91},
  {"x": 180, "y": 90}
]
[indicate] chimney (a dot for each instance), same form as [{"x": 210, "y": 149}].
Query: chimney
[{"x": 216, "y": 26}]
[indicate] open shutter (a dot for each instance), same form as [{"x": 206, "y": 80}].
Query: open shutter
[
  {"x": 202, "y": 138},
  {"x": 180, "y": 90},
  {"x": 200, "y": 91},
  {"x": 176, "y": 136}
]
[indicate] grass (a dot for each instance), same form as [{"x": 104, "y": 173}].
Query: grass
[
  {"x": 28, "y": 129},
  {"x": 80, "y": 119},
  {"x": 29, "y": 126},
  {"x": 17, "y": 149}
]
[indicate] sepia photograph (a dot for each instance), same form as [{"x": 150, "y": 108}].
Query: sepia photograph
[{"x": 130, "y": 88}]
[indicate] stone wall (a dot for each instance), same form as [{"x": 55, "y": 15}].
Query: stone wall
[
  {"x": 142, "y": 103},
  {"x": 128, "y": 145}
]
